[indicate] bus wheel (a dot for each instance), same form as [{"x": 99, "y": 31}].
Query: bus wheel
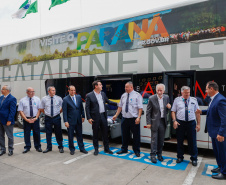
[
  {"x": 19, "y": 120},
  {"x": 42, "y": 122}
]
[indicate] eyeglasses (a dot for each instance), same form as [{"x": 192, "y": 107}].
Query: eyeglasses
[
  {"x": 4, "y": 89},
  {"x": 31, "y": 91}
]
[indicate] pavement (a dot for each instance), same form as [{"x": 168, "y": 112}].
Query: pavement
[{"x": 54, "y": 168}]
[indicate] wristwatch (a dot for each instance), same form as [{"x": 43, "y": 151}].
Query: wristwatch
[
  {"x": 139, "y": 117},
  {"x": 174, "y": 120}
]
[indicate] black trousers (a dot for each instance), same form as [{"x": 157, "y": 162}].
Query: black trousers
[
  {"x": 157, "y": 138},
  {"x": 71, "y": 130},
  {"x": 127, "y": 125},
  {"x": 36, "y": 134},
  {"x": 189, "y": 128},
  {"x": 49, "y": 123},
  {"x": 101, "y": 123}
]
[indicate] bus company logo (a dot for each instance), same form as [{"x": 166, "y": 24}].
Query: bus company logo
[{"x": 111, "y": 35}]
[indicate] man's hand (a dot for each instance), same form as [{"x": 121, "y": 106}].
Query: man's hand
[
  {"x": 220, "y": 138},
  {"x": 8, "y": 123},
  {"x": 148, "y": 126},
  {"x": 90, "y": 121},
  {"x": 137, "y": 121},
  {"x": 175, "y": 124},
  {"x": 83, "y": 119},
  {"x": 168, "y": 106},
  {"x": 197, "y": 128},
  {"x": 67, "y": 124},
  {"x": 114, "y": 117},
  {"x": 198, "y": 111}
]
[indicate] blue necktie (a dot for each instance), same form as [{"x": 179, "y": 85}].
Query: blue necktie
[
  {"x": 74, "y": 101},
  {"x": 127, "y": 104},
  {"x": 186, "y": 109},
  {"x": 31, "y": 108},
  {"x": 51, "y": 106},
  {"x": 3, "y": 100}
]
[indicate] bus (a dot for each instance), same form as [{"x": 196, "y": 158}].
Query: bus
[{"x": 180, "y": 45}]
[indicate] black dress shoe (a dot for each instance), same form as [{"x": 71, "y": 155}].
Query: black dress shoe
[
  {"x": 160, "y": 158},
  {"x": 61, "y": 150},
  {"x": 10, "y": 153},
  {"x": 96, "y": 152},
  {"x": 108, "y": 151},
  {"x": 26, "y": 150},
  {"x": 194, "y": 163},
  {"x": 179, "y": 160},
  {"x": 38, "y": 149},
  {"x": 120, "y": 152},
  {"x": 2, "y": 152},
  {"x": 84, "y": 151},
  {"x": 137, "y": 154},
  {"x": 153, "y": 159},
  {"x": 72, "y": 152},
  {"x": 216, "y": 170},
  {"x": 219, "y": 176},
  {"x": 47, "y": 150}
]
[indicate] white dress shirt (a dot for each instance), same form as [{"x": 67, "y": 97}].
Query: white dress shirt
[
  {"x": 161, "y": 106},
  {"x": 100, "y": 102}
]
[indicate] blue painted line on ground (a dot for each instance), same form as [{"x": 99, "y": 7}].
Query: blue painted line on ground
[
  {"x": 207, "y": 170},
  {"x": 168, "y": 162}
]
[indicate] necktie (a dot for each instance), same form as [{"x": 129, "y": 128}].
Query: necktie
[
  {"x": 3, "y": 100},
  {"x": 127, "y": 103},
  {"x": 74, "y": 101},
  {"x": 186, "y": 110},
  {"x": 31, "y": 108},
  {"x": 51, "y": 106}
]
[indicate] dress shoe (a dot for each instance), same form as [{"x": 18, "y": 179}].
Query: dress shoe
[
  {"x": 38, "y": 149},
  {"x": 72, "y": 152},
  {"x": 96, "y": 152},
  {"x": 108, "y": 151},
  {"x": 61, "y": 150},
  {"x": 26, "y": 150},
  {"x": 179, "y": 160},
  {"x": 2, "y": 152},
  {"x": 194, "y": 163},
  {"x": 47, "y": 150},
  {"x": 216, "y": 170},
  {"x": 84, "y": 151},
  {"x": 219, "y": 176},
  {"x": 137, "y": 154},
  {"x": 160, "y": 158},
  {"x": 10, "y": 153},
  {"x": 153, "y": 159},
  {"x": 121, "y": 152}
]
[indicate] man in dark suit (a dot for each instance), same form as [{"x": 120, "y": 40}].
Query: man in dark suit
[
  {"x": 7, "y": 114},
  {"x": 74, "y": 116},
  {"x": 96, "y": 113},
  {"x": 156, "y": 117},
  {"x": 216, "y": 127}
]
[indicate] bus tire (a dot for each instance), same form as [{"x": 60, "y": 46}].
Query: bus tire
[{"x": 19, "y": 120}]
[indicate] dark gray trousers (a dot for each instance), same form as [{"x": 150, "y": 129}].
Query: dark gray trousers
[
  {"x": 9, "y": 132},
  {"x": 157, "y": 138}
]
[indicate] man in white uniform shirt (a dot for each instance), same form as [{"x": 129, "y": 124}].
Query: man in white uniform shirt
[
  {"x": 131, "y": 106},
  {"x": 29, "y": 110}
]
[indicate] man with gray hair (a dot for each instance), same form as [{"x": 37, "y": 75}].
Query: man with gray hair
[
  {"x": 7, "y": 119},
  {"x": 156, "y": 117},
  {"x": 184, "y": 114},
  {"x": 51, "y": 106},
  {"x": 29, "y": 110}
]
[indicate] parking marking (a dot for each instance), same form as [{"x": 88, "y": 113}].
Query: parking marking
[
  {"x": 168, "y": 162},
  {"x": 77, "y": 158},
  {"x": 207, "y": 170},
  {"x": 191, "y": 175}
]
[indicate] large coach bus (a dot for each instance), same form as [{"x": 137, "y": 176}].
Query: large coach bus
[{"x": 180, "y": 45}]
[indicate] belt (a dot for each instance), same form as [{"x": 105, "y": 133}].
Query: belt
[
  {"x": 53, "y": 116},
  {"x": 30, "y": 117},
  {"x": 102, "y": 113},
  {"x": 185, "y": 121}
]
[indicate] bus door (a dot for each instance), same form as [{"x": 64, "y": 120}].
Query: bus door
[
  {"x": 114, "y": 87},
  {"x": 173, "y": 82}
]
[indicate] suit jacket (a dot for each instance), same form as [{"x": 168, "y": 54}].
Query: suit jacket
[
  {"x": 8, "y": 109},
  {"x": 92, "y": 106},
  {"x": 71, "y": 113},
  {"x": 216, "y": 116},
  {"x": 153, "y": 114}
]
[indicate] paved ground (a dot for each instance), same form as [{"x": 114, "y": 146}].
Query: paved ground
[{"x": 55, "y": 168}]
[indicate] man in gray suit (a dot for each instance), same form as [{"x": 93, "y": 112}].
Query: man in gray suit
[{"x": 156, "y": 117}]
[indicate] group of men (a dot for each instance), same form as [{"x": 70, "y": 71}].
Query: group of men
[{"x": 185, "y": 114}]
